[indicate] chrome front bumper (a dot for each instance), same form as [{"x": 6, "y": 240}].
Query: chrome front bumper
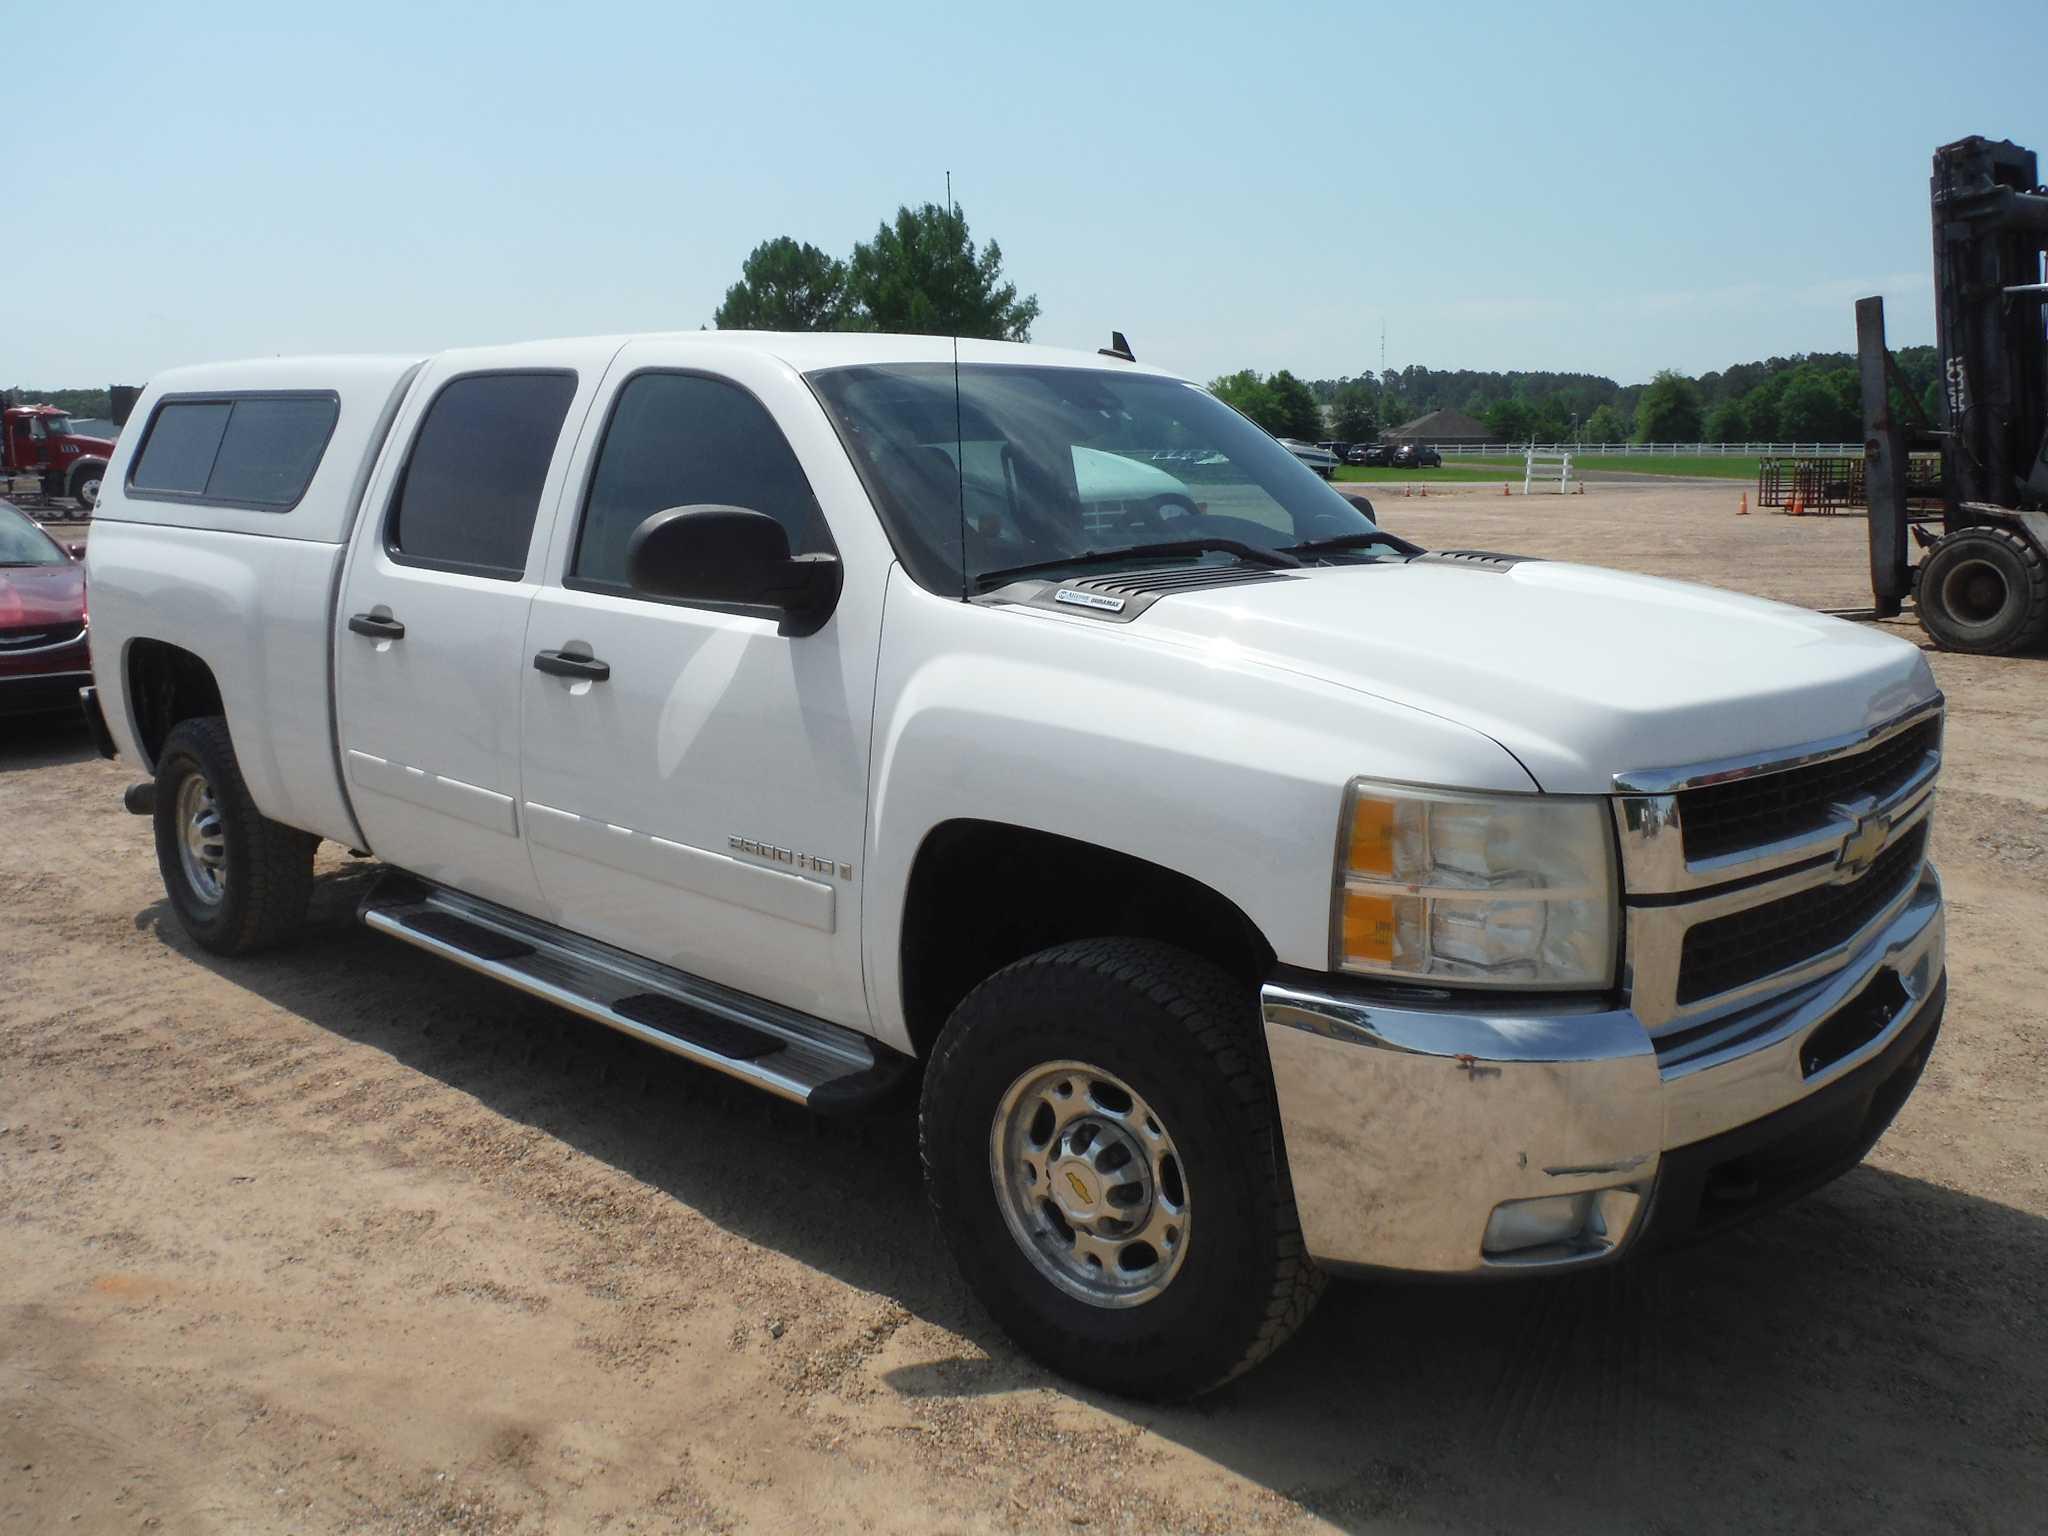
[{"x": 1408, "y": 1125}]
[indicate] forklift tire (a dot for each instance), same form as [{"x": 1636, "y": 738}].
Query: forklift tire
[{"x": 1984, "y": 591}]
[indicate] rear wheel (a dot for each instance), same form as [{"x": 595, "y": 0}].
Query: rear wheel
[
  {"x": 1101, "y": 1145},
  {"x": 237, "y": 880},
  {"x": 1984, "y": 590}
]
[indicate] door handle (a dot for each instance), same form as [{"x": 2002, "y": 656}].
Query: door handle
[
  {"x": 559, "y": 664},
  {"x": 376, "y": 629}
]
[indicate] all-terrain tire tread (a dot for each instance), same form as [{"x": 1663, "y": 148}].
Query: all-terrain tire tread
[
  {"x": 2033, "y": 630},
  {"x": 277, "y": 872},
  {"x": 1218, "y": 1016}
]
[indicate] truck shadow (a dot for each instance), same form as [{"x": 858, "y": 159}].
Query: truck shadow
[
  {"x": 1876, "y": 1356},
  {"x": 43, "y": 741}
]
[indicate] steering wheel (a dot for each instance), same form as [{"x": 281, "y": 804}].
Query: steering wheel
[{"x": 1158, "y": 510}]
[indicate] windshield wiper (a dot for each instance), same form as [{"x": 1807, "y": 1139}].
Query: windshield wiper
[
  {"x": 1364, "y": 539},
  {"x": 1252, "y": 552}
]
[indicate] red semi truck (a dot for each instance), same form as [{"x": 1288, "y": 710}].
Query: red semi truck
[{"x": 38, "y": 440}]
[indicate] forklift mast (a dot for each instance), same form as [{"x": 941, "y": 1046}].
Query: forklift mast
[{"x": 1990, "y": 218}]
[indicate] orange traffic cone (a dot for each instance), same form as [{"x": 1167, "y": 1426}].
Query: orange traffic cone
[
  {"x": 1503, "y": 487},
  {"x": 1798, "y": 507},
  {"x": 1743, "y": 510}
]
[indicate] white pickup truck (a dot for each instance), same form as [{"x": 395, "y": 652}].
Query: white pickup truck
[{"x": 1245, "y": 892}]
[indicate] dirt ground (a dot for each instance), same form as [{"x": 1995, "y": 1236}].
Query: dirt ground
[{"x": 342, "y": 1239}]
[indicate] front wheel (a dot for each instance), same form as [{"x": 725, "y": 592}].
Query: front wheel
[
  {"x": 237, "y": 880},
  {"x": 1984, "y": 590},
  {"x": 85, "y": 485},
  {"x": 1101, "y": 1144}
]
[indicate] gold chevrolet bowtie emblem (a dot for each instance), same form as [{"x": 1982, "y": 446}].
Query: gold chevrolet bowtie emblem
[
  {"x": 1862, "y": 846},
  {"x": 1080, "y": 1189}
]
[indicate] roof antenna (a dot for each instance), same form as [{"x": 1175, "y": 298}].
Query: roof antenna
[
  {"x": 1117, "y": 347},
  {"x": 959, "y": 432}
]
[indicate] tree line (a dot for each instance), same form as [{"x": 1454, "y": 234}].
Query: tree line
[
  {"x": 1806, "y": 397},
  {"x": 97, "y": 404}
]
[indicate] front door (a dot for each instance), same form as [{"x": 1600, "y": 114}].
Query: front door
[
  {"x": 433, "y": 622},
  {"x": 703, "y": 802}
]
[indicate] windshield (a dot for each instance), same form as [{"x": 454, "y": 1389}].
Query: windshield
[
  {"x": 56, "y": 426},
  {"x": 1057, "y": 462},
  {"x": 23, "y": 543}
]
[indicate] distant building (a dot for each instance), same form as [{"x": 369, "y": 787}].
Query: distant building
[{"x": 1448, "y": 429}]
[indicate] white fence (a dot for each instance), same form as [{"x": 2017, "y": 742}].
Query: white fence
[{"x": 1715, "y": 450}]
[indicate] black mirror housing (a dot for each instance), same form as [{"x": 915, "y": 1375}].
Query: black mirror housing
[{"x": 732, "y": 556}]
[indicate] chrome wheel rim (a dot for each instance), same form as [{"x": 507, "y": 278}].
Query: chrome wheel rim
[
  {"x": 202, "y": 841},
  {"x": 89, "y": 491},
  {"x": 1090, "y": 1184}
]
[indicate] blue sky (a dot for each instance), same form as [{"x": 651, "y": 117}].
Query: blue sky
[{"x": 1614, "y": 188}]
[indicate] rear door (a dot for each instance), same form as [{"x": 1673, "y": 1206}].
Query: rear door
[{"x": 428, "y": 658}]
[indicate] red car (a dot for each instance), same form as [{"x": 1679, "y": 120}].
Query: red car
[{"x": 43, "y": 656}]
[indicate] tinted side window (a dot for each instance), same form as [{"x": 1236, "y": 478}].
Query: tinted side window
[
  {"x": 680, "y": 440},
  {"x": 246, "y": 450},
  {"x": 183, "y": 439},
  {"x": 467, "y": 499}
]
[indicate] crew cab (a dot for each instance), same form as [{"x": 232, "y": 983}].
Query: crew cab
[{"x": 1245, "y": 892}]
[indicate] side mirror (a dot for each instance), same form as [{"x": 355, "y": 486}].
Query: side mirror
[
  {"x": 732, "y": 555},
  {"x": 75, "y": 551}
]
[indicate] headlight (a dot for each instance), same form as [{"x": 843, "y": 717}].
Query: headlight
[{"x": 1485, "y": 890}]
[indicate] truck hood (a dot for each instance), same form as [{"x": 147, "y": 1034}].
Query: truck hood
[
  {"x": 41, "y": 594},
  {"x": 1581, "y": 673}
]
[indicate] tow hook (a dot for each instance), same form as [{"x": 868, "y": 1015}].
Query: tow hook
[{"x": 140, "y": 799}]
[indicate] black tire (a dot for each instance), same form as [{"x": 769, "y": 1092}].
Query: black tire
[
  {"x": 265, "y": 870},
  {"x": 1183, "y": 1035},
  {"x": 85, "y": 484},
  {"x": 1984, "y": 591}
]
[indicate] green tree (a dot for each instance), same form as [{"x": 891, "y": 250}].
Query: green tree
[
  {"x": 785, "y": 286},
  {"x": 1357, "y": 419},
  {"x": 924, "y": 275},
  {"x": 1300, "y": 416},
  {"x": 1811, "y": 409},
  {"x": 1727, "y": 422},
  {"x": 1606, "y": 425},
  {"x": 1248, "y": 392},
  {"x": 1508, "y": 421},
  {"x": 1669, "y": 411}
]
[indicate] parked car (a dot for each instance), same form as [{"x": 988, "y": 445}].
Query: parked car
[
  {"x": 1338, "y": 451},
  {"x": 1246, "y": 899},
  {"x": 1417, "y": 456},
  {"x": 1377, "y": 455},
  {"x": 44, "y": 659},
  {"x": 1321, "y": 460}
]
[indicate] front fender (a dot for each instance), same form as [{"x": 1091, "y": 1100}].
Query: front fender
[{"x": 1223, "y": 769}]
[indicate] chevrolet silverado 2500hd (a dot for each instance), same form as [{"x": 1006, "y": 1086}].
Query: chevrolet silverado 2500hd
[{"x": 1250, "y": 892}]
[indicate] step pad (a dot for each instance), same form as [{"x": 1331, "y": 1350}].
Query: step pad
[
  {"x": 484, "y": 943},
  {"x": 727, "y": 1037}
]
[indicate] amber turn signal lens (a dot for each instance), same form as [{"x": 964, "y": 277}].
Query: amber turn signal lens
[
  {"x": 1372, "y": 837},
  {"x": 1368, "y": 927}
]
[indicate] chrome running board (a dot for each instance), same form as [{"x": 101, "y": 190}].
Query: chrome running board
[{"x": 806, "y": 1060}]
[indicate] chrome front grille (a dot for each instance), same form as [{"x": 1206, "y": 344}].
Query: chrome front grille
[
  {"x": 1744, "y": 878},
  {"x": 1757, "y": 808}
]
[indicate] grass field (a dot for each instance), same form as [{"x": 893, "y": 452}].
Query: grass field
[{"x": 1712, "y": 465}]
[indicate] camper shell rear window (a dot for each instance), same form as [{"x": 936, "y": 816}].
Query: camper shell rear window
[{"x": 256, "y": 449}]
